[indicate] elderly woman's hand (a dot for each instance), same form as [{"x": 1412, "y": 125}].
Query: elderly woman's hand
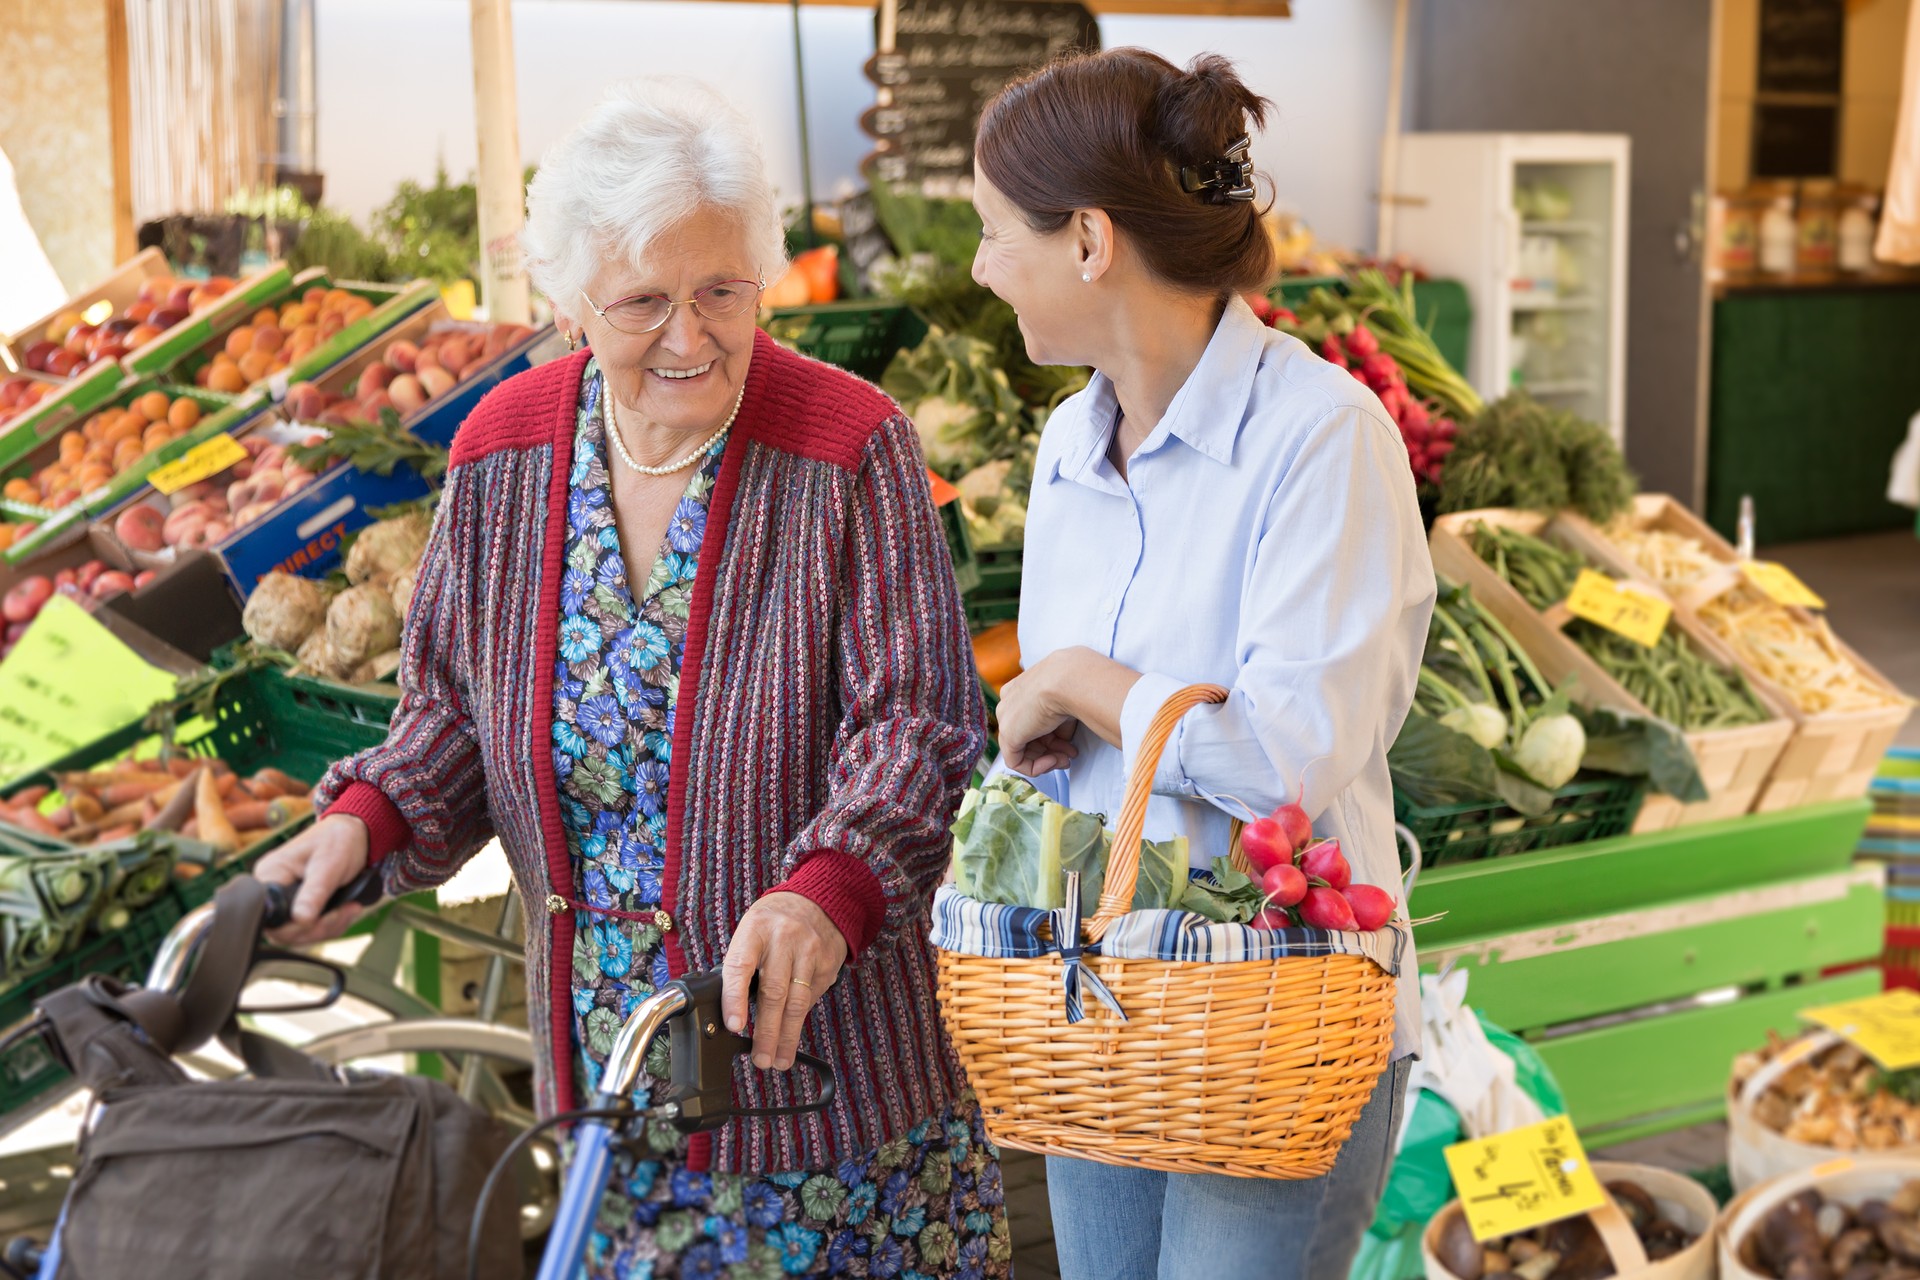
[
  {"x": 797, "y": 952},
  {"x": 321, "y": 859}
]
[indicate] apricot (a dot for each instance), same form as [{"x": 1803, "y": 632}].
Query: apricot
[
  {"x": 184, "y": 414},
  {"x": 153, "y": 405},
  {"x": 154, "y": 436},
  {"x": 266, "y": 315},
  {"x": 239, "y": 342},
  {"x": 268, "y": 338},
  {"x": 227, "y": 378},
  {"x": 126, "y": 453}
]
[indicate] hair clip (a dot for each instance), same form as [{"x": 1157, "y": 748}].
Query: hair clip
[{"x": 1225, "y": 179}]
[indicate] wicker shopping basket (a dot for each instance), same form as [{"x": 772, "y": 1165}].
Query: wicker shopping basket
[{"x": 1252, "y": 1068}]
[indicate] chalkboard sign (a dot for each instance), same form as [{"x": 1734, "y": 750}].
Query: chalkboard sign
[
  {"x": 1802, "y": 44},
  {"x": 947, "y": 58}
]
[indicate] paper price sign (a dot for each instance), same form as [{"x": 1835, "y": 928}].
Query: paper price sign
[
  {"x": 1633, "y": 613},
  {"x": 208, "y": 458},
  {"x": 1781, "y": 585},
  {"x": 1885, "y": 1027},
  {"x": 1523, "y": 1178}
]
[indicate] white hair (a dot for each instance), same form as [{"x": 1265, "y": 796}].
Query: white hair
[{"x": 653, "y": 151}]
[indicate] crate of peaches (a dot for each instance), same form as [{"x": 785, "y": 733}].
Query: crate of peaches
[
  {"x": 152, "y": 527},
  {"x": 87, "y": 468},
  {"x": 309, "y": 326},
  {"x": 34, "y": 406}
]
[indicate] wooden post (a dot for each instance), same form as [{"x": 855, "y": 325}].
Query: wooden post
[
  {"x": 502, "y": 191},
  {"x": 1390, "y": 136},
  {"x": 120, "y": 130}
]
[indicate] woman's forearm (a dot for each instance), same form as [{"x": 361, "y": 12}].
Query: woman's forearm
[{"x": 1092, "y": 688}]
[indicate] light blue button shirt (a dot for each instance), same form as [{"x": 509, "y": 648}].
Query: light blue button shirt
[{"x": 1266, "y": 539}]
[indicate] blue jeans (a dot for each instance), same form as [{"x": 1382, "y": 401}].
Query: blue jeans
[{"x": 1111, "y": 1222}]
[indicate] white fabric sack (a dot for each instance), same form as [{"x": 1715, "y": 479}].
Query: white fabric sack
[{"x": 1459, "y": 1063}]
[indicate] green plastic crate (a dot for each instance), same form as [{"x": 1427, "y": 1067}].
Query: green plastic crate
[
  {"x": 996, "y": 596},
  {"x": 256, "y": 724},
  {"x": 1582, "y": 810},
  {"x": 219, "y": 412},
  {"x": 861, "y": 337},
  {"x": 304, "y": 691}
]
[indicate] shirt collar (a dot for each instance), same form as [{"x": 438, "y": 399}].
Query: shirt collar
[{"x": 1206, "y": 413}]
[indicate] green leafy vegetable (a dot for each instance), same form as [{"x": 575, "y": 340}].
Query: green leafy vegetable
[
  {"x": 961, "y": 402},
  {"x": 1014, "y": 845},
  {"x": 376, "y": 447},
  {"x": 1520, "y": 453}
]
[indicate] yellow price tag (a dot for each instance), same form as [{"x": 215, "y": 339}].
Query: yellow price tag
[
  {"x": 1885, "y": 1027},
  {"x": 1523, "y": 1178},
  {"x": 1620, "y": 607},
  {"x": 1781, "y": 584},
  {"x": 208, "y": 458}
]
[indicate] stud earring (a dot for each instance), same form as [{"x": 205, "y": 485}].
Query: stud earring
[{"x": 1086, "y": 277}]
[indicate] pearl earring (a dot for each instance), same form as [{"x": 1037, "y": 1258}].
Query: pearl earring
[{"x": 1086, "y": 277}]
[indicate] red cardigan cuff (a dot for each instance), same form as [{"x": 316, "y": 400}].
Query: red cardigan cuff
[
  {"x": 846, "y": 889},
  {"x": 387, "y": 829}
]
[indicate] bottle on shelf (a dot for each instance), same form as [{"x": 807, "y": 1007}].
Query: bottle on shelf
[{"x": 1778, "y": 237}]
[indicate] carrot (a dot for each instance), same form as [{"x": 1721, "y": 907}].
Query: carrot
[
  {"x": 226, "y": 783},
  {"x": 31, "y": 796},
  {"x": 117, "y": 833},
  {"x": 287, "y": 786},
  {"x": 211, "y": 816},
  {"x": 175, "y": 806},
  {"x": 249, "y": 837},
  {"x": 62, "y": 817},
  {"x": 133, "y": 790},
  {"x": 86, "y": 807},
  {"x": 181, "y": 766},
  {"x": 288, "y": 809},
  {"x": 187, "y": 870},
  {"x": 248, "y": 813},
  {"x": 32, "y": 820},
  {"x": 221, "y": 768}
]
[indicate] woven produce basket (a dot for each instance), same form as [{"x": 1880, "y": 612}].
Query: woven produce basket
[{"x": 1251, "y": 1068}]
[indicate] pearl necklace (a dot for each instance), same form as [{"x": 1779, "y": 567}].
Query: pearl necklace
[{"x": 619, "y": 446}]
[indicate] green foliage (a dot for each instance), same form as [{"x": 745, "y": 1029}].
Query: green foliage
[
  {"x": 376, "y": 447},
  {"x": 1521, "y": 453}
]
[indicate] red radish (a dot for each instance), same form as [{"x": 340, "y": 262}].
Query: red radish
[
  {"x": 1294, "y": 821},
  {"x": 1395, "y": 401},
  {"x": 1328, "y": 909},
  {"x": 1262, "y": 308},
  {"x": 1284, "y": 315},
  {"x": 24, "y": 602},
  {"x": 1380, "y": 371},
  {"x": 1266, "y": 845},
  {"x": 1372, "y": 906},
  {"x": 1271, "y": 918},
  {"x": 1332, "y": 352},
  {"x": 1362, "y": 342},
  {"x": 1324, "y": 861},
  {"x": 1285, "y": 884}
]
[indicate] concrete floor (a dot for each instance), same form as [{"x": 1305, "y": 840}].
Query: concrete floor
[{"x": 1872, "y": 588}]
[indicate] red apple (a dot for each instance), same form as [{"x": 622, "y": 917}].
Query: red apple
[{"x": 38, "y": 354}]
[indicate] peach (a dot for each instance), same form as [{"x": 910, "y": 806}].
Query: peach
[
  {"x": 403, "y": 356},
  {"x": 435, "y": 381},
  {"x": 374, "y": 377},
  {"x": 304, "y": 400},
  {"x": 372, "y": 405},
  {"x": 140, "y": 528},
  {"x": 180, "y": 298},
  {"x": 268, "y": 338},
  {"x": 255, "y": 365},
  {"x": 407, "y": 393}
]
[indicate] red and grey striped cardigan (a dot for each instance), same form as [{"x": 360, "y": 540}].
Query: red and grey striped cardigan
[{"x": 827, "y": 722}]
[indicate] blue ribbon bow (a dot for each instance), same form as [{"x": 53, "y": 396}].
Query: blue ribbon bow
[{"x": 1066, "y": 938}]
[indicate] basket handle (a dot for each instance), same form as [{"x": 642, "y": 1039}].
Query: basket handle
[
  {"x": 1622, "y": 1241},
  {"x": 1123, "y": 869}
]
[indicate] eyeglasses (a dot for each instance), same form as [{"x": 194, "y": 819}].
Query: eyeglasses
[{"x": 645, "y": 312}]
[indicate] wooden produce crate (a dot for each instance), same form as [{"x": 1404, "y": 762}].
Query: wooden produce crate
[
  {"x": 1639, "y": 966},
  {"x": 1734, "y": 763},
  {"x": 392, "y": 304},
  {"x": 1832, "y": 755}
]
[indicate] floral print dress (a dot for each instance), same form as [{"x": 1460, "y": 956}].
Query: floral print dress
[{"x": 925, "y": 1206}]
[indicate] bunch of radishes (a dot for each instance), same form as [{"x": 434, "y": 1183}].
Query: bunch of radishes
[
  {"x": 1427, "y": 435},
  {"x": 1307, "y": 881},
  {"x": 89, "y": 584},
  {"x": 205, "y": 513}
]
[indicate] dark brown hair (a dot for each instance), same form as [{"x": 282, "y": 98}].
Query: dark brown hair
[{"x": 1112, "y": 131}]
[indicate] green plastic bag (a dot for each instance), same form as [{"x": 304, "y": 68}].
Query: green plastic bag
[{"x": 1418, "y": 1185}]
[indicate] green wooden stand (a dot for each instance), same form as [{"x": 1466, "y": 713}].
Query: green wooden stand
[{"x": 1604, "y": 954}]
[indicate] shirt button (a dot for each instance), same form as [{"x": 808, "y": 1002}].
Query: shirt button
[{"x": 664, "y": 921}]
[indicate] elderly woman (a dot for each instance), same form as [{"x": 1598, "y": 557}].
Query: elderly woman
[{"x": 686, "y": 638}]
